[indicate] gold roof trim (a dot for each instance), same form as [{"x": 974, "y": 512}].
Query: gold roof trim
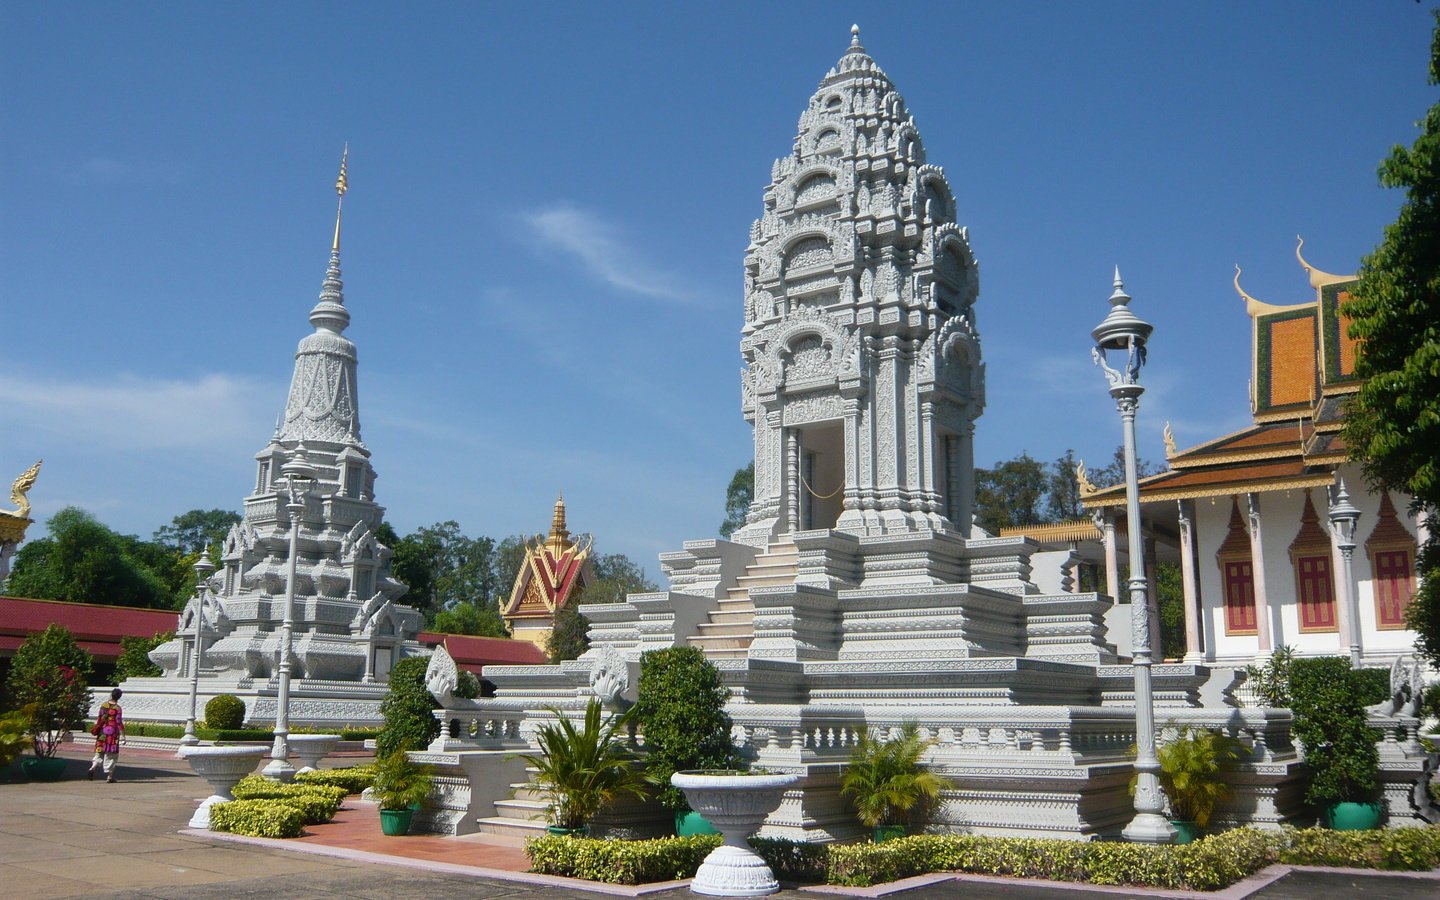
[
  {"x": 1072, "y": 530},
  {"x": 1083, "y": 480},
  {"x": 1221, "y": 490},
  {"x": 1318, "y": 279}
]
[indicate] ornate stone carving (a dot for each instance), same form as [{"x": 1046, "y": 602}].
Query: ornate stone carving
[
  {"x": 442, "y": 676},
  {"x": 609, "y": 676}
]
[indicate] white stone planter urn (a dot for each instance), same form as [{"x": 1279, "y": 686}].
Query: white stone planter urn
[
  {"x": 311, "y": 748},
  {"x": 736, "y": 803},
  {"x": 222, "y": 767}
]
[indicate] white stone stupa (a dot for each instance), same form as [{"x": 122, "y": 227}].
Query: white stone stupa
[
  {"x": 857, "y": 597},
  {"x": 349, "y": 631}
]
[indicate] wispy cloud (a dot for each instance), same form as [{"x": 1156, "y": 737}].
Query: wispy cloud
[
  {"x": 133, "y": 413},
  {"x": 108, "y": 170},
  {"x": 599, "y": 247}
]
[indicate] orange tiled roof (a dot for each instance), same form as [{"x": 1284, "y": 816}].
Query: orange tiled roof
[{"x": 1219, "y": 481}]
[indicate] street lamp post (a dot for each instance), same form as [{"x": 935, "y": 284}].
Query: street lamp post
[
  {"x": 299, "y": 475},
  {"x": 1123, "y": 332},
  {"x": 1344, "y": 516},
  {"x": 203, "y": 569}
]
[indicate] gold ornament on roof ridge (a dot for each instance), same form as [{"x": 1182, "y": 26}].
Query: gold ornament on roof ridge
[
  {"x": 1318, "y": 279},
  {"x": 342, "y": 184},
  {"x": 1083, "y": 479},
  {"x": 20, "y": 488},
  {"x": 1169, "y": 441}
]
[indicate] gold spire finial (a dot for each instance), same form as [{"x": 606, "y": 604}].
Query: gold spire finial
[
  {"x": 1083, "y": 480},
  {"x": 559, "y": 538},
  {"x": 1169, "y": 442},
  {"x": 342, "y": 184}
]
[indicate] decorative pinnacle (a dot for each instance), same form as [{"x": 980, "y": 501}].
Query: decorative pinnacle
[
  {"x": 1119, "y": 298},
  {"x": 342, "y": 184},
  {"x": 854, "y": 35}
]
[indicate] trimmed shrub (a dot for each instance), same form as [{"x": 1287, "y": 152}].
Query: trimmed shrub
[
  {"x": 620, "y": 862},
  {"x": 237, "y": 735},
  {"x": 319, "y": 802},
  {"x": 1372, "y": 686},
  {"x": 1340, "y": 752},
  {"x": 408, "y": 710},
  {"x": 681, "y": 710},
  {"x": 792, "y": 860},
  {"x": 352, "y": 780},
  {"x": 359, "y": 734},
  {"x": 224, "y": 712},
  {"x": 257, "y": 818}
]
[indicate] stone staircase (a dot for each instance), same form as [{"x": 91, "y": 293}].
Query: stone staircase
[
  {"x": 732, "y": 625},
  {"x": 523, "y": 815}
]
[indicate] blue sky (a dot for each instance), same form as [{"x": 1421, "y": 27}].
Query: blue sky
[{"x": 548, "y": 212}]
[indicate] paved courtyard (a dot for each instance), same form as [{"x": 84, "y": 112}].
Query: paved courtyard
[{"x": 86, "y": 838}]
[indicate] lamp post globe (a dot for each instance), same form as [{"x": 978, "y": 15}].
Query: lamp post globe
[
  {"x": 1123, "y": 332},
  {"x": 204, "y": 568},
  {"x": 299, "y": 476}
]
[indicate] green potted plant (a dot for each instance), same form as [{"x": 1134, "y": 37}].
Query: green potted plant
[
  {"x": 681, "y": 711},
  {"x": 1193, "y": 773},
  {"x": 1340, "y": 751},
  {"x": 886, "y": 782},
  {"x": 48, "y": 675},
  {"x": 400, "y": 786},
  {"x": 582, "y": 769}
]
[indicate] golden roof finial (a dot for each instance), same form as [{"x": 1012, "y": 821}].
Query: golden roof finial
[
  {"x": 342, "y": 184},
  {"x": 1318, "y": 279},
  {"x": 559, "y": 538},
  {"x": 1169, "y": 442},
  {"x": 1083, "y": 480},
  {"x": 21, "y": 487},
  {"x": 1252, "y": 306}
]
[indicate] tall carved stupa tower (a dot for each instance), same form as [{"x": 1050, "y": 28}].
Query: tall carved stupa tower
[
  {"x": 349, "y": 631},
  {"x": 863, "y": 376}
]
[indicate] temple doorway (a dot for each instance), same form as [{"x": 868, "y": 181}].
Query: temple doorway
[{"x": 822, "y": 475}]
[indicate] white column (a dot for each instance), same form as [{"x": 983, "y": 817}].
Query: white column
[
  {"x": 792, "y": 480},
  {"x": 1194, "y": 649},
  {"x": 965, "y": 476},
  {"x": 1257, "y": 565},
  {"x": 1112, "y": 555}
]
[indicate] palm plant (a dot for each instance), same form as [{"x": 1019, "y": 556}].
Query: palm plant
[
  {"x": 885, "y": 780},
  {"x": 401, "y": 783},
  {"x": 582, "y": 769},
  {"x": 1193, "y": 770}
]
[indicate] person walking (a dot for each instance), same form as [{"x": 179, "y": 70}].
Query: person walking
[{"x": 109, "y": 730}]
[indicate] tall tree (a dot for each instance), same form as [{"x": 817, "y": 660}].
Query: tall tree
[
  {"x": 737, "y": 499},
  {"x": 1011, "y": 493},
  {"x": 189, "y": 532},
  {"x": 1393, "y": 423},
  {"x": 1114, "y": 473}
]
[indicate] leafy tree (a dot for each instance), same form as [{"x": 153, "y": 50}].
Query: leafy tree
[
  {"x": 1114, "y": 473},
  {"x": 1011, "y": 494},
  {"x": 737, "y": 499},
  {"x": 1393, "y": 424},
  {"x": 189, "y": 532},
  {"x": 1063, "y": 503},
  {"x": 1170, "y": 598},
  {"x": 407, "y": 710},
  {"x": 616, "y": 575},
  {"x": 84, "y": 561},
  {"x": 509, "y": 557},
  {"x": 472, "y": 619},
  {"x": 409, "y": 564},
  {"x": 569, "y": 634},
  {"x": 134, "y": 661},
  {"x": 48, "y": 677}
]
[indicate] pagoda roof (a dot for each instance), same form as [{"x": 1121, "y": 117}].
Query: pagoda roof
[
  {"x": 1220, "y": 481},
  {"x": 475, "y": 653}
]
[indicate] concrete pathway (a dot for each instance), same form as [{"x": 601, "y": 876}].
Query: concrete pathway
[{"x": 76, "y": 838}]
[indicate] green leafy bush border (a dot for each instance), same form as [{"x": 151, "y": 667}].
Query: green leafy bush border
[
  {"x": 1206, "y": 865},
  {"x": 257, "y": 818}
]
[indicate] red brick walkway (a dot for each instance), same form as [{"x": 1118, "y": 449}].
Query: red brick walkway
[{"x": 357, "y": 827}]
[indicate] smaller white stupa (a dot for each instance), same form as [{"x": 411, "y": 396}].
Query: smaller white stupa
[{"x": 349, "y": 631}]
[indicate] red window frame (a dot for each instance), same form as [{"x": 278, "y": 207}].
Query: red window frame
[
  {"x": 1239, "y": 592},
  {"x": 1394, "y": 586},
  {"x": 1315, "y": 593}
]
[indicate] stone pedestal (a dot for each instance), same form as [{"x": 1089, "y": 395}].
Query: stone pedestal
[
  {"x": 736, "y": 804},
  {"x": 222, "y": 767}
]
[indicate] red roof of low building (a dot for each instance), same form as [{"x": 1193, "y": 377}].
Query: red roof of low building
[
  {"x": 474, "y": 653},
  {"x": 97, "y": 628}
]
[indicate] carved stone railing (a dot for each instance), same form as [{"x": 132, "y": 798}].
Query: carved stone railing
[
  {"x": 798, "y": 735},
  {"x": 488, "y": 724}
]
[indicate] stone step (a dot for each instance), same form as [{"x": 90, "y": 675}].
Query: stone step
[
  {"x": 727, "y": 629},
  {"x": 511, "y": 827},
  {"x": 723, "y": 642},
  {"x": 737, "y": 617},
  {"x": 724, "y": 654},
  {"x": 779, "y": 579},
  {"x": 524, "y": 810}
]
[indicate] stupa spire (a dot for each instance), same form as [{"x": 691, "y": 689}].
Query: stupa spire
[{"x": 323, "y": 405}]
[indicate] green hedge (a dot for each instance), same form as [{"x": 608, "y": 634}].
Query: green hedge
[
  {"x": 1205, "y": 865},
  {"x": 204, "y": 733},
  {"x": 352, "y": 779},
  {"x": 319, "y": 802},
  {"x": 257, "y": 818},
  {"x": 620, "y": 862}
]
